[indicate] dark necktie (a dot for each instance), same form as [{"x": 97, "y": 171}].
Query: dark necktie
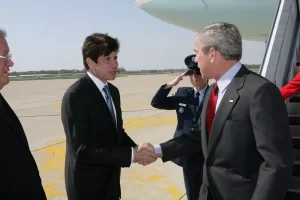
[
  {"x": 197, "y": 101},
  {"x": 109, "y": 102},
  {"x": 211, "y": 109}
]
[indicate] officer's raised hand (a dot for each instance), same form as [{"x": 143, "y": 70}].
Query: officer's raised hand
[{"x": 176, "y": 80}]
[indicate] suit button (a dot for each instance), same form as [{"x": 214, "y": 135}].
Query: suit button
[
  {"x": 99, "y": 150},
  {"x": 192, "y": 129}
]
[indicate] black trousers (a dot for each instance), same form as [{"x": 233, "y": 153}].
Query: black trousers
[{"x": 193, "y": 181}]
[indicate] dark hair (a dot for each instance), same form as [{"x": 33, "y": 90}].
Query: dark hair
[{"x": 98, "y": 44}]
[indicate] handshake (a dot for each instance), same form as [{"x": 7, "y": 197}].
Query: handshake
[{"x": 144, "y": 154}]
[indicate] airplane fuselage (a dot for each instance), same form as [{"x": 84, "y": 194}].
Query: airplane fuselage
[{"x": 254, "y": 18}]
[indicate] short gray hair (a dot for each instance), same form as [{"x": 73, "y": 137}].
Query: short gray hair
[
  {"x": 224, "y": 38},
  {"x": 2, "y": 32}
]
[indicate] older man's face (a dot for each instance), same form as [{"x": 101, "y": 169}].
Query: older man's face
[
  {"x": 204, "y": 61},
  {"x": 5, "y": 62}
]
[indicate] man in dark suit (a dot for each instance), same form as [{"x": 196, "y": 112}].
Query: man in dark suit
[
  {"x": 97, "y": 145},
  {"x": 19, "y": 174},
  {"x": 187, "y": 102},
  {"x": 245, "y": 133}
]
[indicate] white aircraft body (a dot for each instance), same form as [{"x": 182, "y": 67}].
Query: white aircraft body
[
  {"x": 275, "y": 21},
  {"x": 253, "y": 17}
]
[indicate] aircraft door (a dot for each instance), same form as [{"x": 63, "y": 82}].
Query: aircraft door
[
  {"x": 279, "y": 66},
  {"x": 281, "y": 44}
]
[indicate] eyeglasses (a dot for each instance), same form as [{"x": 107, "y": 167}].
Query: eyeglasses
[{"x": 7, "y": 58}]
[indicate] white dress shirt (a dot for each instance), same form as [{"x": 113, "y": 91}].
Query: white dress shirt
[
  {"x": 224, "y": 81},
  {"x": 202, "y": 92},
  {"x": 157, "y": 147},
  {"x": 100, "y": 85}
]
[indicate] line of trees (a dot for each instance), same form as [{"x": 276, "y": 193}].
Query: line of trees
[{"x": 121, "y": 70}]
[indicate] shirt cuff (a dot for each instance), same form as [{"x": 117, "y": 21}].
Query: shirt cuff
[
  {"x": 157, "y": 149},
  {"x": 167, "y": 86},
  {"x": 132, "y": 154}
]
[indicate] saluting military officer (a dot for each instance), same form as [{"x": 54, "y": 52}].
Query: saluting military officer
[{"x": 187, "y": 102}]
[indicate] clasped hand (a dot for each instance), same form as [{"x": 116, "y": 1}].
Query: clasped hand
[{"x": 144, "y": 154}]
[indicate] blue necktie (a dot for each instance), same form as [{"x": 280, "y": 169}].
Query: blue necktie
[{"x": 109, "y": 102}]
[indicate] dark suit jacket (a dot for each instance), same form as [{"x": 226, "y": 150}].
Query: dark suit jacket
[
  {"x": 187, "y": 121},
  {"x": 96, "y": 150},
  {"x": 249, "y": 152},
  {"x": 19, "y": 174}
]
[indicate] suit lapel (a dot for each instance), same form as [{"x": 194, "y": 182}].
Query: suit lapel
[
  {"x": 227, "y": 103},
  {"x": 12, "y": 120},
  {"x": 202, "y": 121}
]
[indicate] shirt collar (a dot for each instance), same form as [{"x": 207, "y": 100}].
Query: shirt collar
[
  {"x": 100, "y": 85},
  {"x": 202, "y": 91},
  {"x": 224, "y": 81}
]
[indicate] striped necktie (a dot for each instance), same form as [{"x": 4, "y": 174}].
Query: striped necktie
[{"x": 109, "y": 102}]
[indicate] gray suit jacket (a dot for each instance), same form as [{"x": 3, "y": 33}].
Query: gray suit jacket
[{"x": 249, "y": 153}]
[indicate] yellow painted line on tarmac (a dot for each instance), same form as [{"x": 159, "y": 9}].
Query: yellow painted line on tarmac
[
  {"x": 135, "y": 106},
  {"x": 58, "y": 105},
  {"x": 137, "y": 182},
  {"x": 147, "y": 122},
  {"x": 123, "y": 106},
  {"x": 51, "y": 161},
  {"x": 147, "y": 183}
]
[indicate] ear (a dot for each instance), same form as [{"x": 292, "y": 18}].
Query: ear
[
  {"x": 212, "y": 54},
  {"x": 90, "y": 63}
]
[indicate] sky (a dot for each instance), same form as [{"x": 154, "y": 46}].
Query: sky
[{"x": 48, "y": 35}]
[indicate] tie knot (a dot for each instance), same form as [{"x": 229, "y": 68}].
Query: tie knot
[{"x": 197, "y": 94}]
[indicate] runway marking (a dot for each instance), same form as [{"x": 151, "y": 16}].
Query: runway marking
[
  {"x": 58, "y": 105},
  {"x": 51, "y": 163},
  {"x": 157, "y": 120},
  {"x": 148, "y": 183},
  {"x": 123, "y": 106}
]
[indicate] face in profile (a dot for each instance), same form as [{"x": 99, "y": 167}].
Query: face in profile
[
  {"x": 5, "y": 62},
  {"x": 106, "y": 68},
  {"x": 196, "y": 79},
  {"x": 203, "y": 61}
]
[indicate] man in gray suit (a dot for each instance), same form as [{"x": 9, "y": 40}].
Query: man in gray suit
[{"x": 245, "y": 132}]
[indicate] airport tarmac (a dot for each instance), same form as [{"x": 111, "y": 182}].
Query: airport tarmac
[{"x": 37, "y": 104}]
